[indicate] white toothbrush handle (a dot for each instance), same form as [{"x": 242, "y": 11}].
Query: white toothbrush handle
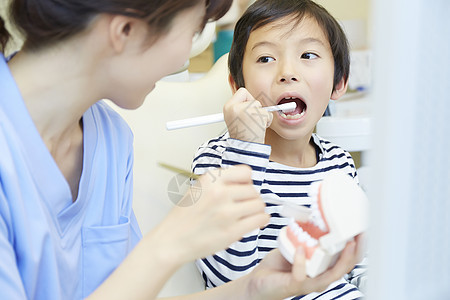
[
  {"x": 203, "y": 120},
  {"x": 215, "y": 118}
]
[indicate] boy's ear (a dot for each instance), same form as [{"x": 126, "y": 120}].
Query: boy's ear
[
  {"x": 233, "y": 85},
  {"x": 339, "y": 89}
]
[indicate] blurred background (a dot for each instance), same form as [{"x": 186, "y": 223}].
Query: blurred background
[
  {"x": 201, "y": 88},
  {"x": 394, "y": 121}
]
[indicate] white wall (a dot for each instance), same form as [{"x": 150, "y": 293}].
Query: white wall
[{"x": 410, "y": 212}]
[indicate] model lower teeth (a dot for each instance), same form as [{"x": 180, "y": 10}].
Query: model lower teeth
[
  {"x": 292, "y": 117},
  {"x": 302, "y": 236}
]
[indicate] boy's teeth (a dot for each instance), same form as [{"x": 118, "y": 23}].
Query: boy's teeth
[{"x": 292, "y": 117}]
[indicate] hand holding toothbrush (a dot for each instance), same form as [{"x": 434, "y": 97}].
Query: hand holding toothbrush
[
  {"x": 245, "y": 117},
  {"x": 243, "y": 114}
]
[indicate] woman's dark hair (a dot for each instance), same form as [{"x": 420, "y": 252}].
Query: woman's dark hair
[
  {"x": 4, "y": 35},
  {"x": 264, "y": 12},
  {"x": 44, "y": 22}
]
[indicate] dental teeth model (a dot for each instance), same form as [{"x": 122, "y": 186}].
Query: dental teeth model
[{"x": 339, "y": 212}]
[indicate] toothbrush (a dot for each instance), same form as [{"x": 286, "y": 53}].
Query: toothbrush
[
  {"x": 289, "y": 210},
  {"x": 215, "y": 118},
  {"x": 297, "y": 212}
]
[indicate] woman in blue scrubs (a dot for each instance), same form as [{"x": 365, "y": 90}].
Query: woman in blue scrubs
[{"x": 67, "y": 228}]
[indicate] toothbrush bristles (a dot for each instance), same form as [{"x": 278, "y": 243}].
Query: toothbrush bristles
[{"x": 288, "y": 107}]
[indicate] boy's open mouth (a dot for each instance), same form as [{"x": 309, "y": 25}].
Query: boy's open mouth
[{"x": 297, "y": 113}]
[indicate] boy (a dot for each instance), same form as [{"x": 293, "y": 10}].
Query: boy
[{"x": 283, "y": 51}]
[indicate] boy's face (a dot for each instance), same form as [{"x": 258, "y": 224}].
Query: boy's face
[{"x": 283, "y": 63}]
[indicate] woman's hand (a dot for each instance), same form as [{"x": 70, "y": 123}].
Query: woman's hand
[
  {"x": 226, "y": 207},
  {"x": 276, "y": 278},
  {"x": 223, "y": 208},
  {"x": 245, "y": 118}
]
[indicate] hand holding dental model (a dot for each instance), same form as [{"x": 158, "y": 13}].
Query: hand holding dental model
[{"x": 338, "y": 213}]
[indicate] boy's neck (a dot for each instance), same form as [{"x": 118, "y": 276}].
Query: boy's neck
[{"x": 300, "y": 153}]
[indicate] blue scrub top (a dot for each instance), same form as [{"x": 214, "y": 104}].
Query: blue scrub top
[{"x": 50, "y": 246}]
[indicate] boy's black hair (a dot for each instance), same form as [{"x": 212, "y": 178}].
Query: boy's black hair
[{"x": 264, "y": 12}]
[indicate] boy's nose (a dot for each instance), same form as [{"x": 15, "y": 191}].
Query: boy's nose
[
  {"x": 288, "y": 71},
  {"x": 288, "y": 78}
]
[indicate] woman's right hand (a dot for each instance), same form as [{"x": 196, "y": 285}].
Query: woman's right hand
[{"x": 226, "y": 207}]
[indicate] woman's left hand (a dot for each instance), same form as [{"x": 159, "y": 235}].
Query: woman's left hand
[{"x": 276, "y": 278}]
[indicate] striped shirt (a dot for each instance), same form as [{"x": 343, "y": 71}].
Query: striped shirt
[{"x": 274, "y": 181}]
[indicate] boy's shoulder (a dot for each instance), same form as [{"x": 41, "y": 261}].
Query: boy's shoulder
[
  {"x": 333, "y": 156},
  {"x": 218, "y": 141},
  {"x": 328, "y": 148}
]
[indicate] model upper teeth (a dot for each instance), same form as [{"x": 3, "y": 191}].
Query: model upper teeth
[{"x": 316, "y": 216}]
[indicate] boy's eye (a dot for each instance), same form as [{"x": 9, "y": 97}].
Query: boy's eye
[
  {"x": 265, "y": 59},
  {"x": 309, "y": 55}
]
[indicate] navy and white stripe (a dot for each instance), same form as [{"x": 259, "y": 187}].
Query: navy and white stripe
[{"x": 273, "y": 180}]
